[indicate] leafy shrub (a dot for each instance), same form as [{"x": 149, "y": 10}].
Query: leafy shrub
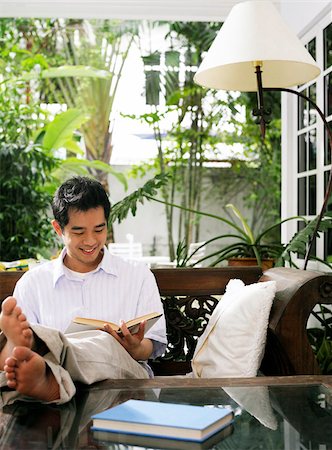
[{"x": 25, "y": 227}]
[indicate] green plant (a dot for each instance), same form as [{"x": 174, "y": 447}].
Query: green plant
[
  {"x": 30, "y": 171},
  {"x": 243, "y": 242},
  {"x": 25, "y": 171},
  {"x": 97, "y": 44},
  {"x": 25, "y": 228},
  {"x": 262, "y": 158},
  {"x": 184, "y": 127},
  {"x": 260, "y": 246},
  {"x": 72, "y": 62},
  {"x": 61, "y": 133},
  {"x": 248, "y": 244},
  {"x": 320, "y": 339}
]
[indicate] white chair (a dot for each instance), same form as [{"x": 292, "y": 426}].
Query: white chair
[
  {"x": 126, "y": 250},
  {"x": 199, "y": 248}
]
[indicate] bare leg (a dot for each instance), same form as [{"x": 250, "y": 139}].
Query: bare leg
[
  {"x": 16, "y": 328},
  {"x": 28, "y": 374}
]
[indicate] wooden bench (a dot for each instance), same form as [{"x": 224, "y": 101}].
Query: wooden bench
[{"x": 190, "y": 295}]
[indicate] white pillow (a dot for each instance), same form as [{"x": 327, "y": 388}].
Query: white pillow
[
  {"x": 256, "y": 401},
  {"x": 233, "y": 342}
]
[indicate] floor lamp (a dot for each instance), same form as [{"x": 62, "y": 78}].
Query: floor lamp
[{"x": 255, "y": 50}]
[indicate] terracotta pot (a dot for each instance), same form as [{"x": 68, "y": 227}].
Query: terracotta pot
[{"x": 266, "y": 263}]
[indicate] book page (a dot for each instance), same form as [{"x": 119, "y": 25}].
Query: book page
[{"x": 84, "y": 324}]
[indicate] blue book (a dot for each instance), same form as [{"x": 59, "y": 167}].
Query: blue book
[
  {"x": 166, "y": 420},
  {"x": 138, "y": 440}
]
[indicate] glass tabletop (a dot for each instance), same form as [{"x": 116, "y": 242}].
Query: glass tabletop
[{"x": 266, "y": 417}]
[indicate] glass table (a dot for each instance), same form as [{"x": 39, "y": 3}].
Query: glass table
[{"x": 286, "y": 413}]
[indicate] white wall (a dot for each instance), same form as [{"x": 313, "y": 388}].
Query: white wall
[{"x": 150, "y": 222}]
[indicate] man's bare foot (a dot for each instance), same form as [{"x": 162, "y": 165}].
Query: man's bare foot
[
  {"x": 16, "y": 328},
  {"x": 28, "y": 374}
]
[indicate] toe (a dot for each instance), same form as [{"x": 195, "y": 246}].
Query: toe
[
  {"x": 11, "y": 362},
  {"x": 27, "y": 332},
  {"x": 11, "y": 376},
  {"x": 9, "y": 369},
  {"x": 8, "y": 305},
  {"x": 11, "y": 384},
  {"x": 22, "y": 317},
  {"x": 22, "y": 354}
]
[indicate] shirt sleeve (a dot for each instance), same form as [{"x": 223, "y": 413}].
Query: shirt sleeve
[
  {"x": 24, "y": 295},
  {"x": 158, "y": 349},
  {"x": 149, "y": 301}
]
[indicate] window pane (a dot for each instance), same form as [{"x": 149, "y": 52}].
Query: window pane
[
  {"x": 151, "y": 60},
  {"x": 172, "y": 58},
  {"x": 189, "y": 80},
  {"x": 312, "y": 195},
  {"x": 327, "y": 149},
  {"x": 301, "y": 196},
  {"x": 312, "y": 149},
  {"x": 172, "y": 86},
  {"x": 301, "y": 112},
  {"x": 327, "y": 46},
  {"x": 328, "y": 94},
  {"x": 300, "y": 226},
  {"x": 313, "y": 251},
  {"x": 328, "y": 246},
  {"x": 302, "y": 153},
  {"x": 312, "y": 111},
  {"x": 312, "y": 48},
  {"x": 329, "y": 202},
  {"x": 152, "y": 87},
  {"x": 191, "y": 58}
]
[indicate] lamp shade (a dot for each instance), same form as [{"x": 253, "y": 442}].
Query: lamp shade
[{"x": 253, "y": 34}]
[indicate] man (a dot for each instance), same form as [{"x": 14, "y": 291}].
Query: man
[{"x": 37, "y": 360}]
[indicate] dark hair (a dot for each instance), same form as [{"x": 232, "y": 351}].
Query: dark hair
[{"x": 80, "y": 193}]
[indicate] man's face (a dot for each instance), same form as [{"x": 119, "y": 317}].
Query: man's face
[{"x": 84, "y": 237}]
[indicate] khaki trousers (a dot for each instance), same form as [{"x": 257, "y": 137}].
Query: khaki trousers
[{"x": 85, "y": 357}]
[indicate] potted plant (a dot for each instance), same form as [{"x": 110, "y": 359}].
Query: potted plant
[{"x": 244, "y": 247}]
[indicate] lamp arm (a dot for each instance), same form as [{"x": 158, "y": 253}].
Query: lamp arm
[
  {"x": 261, "y": 111},
  {"x": 328, "y": 191}
]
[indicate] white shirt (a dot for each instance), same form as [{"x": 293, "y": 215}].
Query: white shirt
[{"x": 52, "y": 295}]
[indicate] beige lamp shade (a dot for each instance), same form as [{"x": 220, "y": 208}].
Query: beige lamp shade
[{"x": 254, "y": 34}]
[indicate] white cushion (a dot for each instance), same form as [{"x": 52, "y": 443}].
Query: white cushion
[
  {"x": 256, "y": 401},
  {"x": 233, "y": 342}
]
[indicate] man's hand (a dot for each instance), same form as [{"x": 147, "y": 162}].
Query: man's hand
[{"x": 136, "y": 345}]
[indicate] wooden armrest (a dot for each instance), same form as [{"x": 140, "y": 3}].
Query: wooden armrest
[{"x": 288, "y": 351}]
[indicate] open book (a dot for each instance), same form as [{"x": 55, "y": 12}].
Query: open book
[{"x": 84, "y": 324}]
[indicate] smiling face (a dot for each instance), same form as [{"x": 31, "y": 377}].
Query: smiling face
[{"x": 84, "y": 237}]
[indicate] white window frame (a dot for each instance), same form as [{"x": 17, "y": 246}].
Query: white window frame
[{"x": 289, "y": 142}]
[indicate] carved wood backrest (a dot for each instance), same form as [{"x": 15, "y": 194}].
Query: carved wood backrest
[{"x": 189, "y": 297}]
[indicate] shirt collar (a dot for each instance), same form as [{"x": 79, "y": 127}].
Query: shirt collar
[{"x": 106, "y": 264}]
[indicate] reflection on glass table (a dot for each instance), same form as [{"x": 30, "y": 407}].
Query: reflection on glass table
[{"x": 295, "y": 417}]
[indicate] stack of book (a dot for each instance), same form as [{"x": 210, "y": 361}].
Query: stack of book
[{"x": 163, "y": 425}]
